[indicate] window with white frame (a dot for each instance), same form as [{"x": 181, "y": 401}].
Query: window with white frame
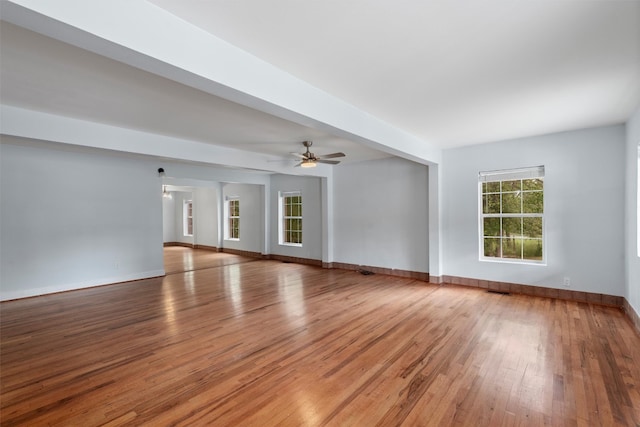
[
  {"x": 233, "y": 218},
  {"x": 187, "y": 215},
  {"x": 290, "y": 218},
  {"x": 512, "y": 215}
]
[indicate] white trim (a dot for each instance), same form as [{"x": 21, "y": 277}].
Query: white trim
[
  {"x": 281, "y": 217},
  {"x": 513, "y": 261},
  {"x": 185, "y": 217},
  {"x": 227, "y": 217},
  {"x": 295, "y": 245},
  {"x": 36, "y": 291},
  {"x": 511, "y": 174}
]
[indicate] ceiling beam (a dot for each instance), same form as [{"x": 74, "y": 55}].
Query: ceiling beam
[
  {"x": 145, "y": 36},
  {"x": 23, "y": 123}
]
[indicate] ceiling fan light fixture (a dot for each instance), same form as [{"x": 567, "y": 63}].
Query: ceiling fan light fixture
[
  {"x": 309, "y": 160},
  {"x": 166, "y": 194}
]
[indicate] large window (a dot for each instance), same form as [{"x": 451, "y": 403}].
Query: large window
[
  {"x": 187, "y": 215},
  {"x": 512, "y": 215},
  {"x": 233, "y": 218},
  {"x": 291, "y": 218}
]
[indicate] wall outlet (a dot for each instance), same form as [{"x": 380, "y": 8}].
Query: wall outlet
[{"x": 567, "y": 282}]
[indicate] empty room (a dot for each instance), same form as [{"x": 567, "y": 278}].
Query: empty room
[{"x": 290, "y": 213}]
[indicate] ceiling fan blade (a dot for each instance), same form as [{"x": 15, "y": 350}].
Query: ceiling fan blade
[
  {"x": 297, "y": 165},
  {"x": 329, "y": 162},
  {"x": 332, "y": 155},
  {"x": 309, "y": 159}
]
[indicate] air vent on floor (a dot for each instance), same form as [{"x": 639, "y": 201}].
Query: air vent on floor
[{"x": 492, "y": 291}]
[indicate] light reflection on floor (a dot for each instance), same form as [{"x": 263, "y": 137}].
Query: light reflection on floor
[
  {"x": 169, "y": 308},
  {"x": 178, "y": 259},
  {"x": 187, "y": 261},
  {"x": 233, "y": 285},
  {"x": 291, "y": 290}
]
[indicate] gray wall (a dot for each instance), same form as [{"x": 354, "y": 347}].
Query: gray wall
[
  {"x": 205, "y": 219},
  {"x": 381, "y": 214},
  {"x": 584, "y": 196},
  {"x": 632, "y": 257},
  {"x": 179, "y": 197},
  {"x": 251, "y": 216},
  {"x": 169, "y": 219},
  {"x": 310, "y": 187},
  {"x": 72, "y": 218}
]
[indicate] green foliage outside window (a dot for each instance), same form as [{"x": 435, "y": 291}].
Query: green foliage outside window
[
  {"x": 234, "y": 219},
  {"x": 292, "y": 219},
  {"x": 512, "y": 219}
]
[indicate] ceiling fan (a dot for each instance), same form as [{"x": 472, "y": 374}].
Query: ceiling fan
[{"x": 309, "y": 160}]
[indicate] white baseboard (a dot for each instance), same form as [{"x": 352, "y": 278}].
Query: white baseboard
[{"x": 6, "y": 295}]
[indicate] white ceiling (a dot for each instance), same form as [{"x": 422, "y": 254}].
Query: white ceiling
[
  {"x": 452, "y": 72},
  {"x": 43, "y": 74}
]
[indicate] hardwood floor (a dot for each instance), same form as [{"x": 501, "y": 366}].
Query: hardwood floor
[
  {"x": 179, "y": 259},
  {"x": 264, "y": 343}
]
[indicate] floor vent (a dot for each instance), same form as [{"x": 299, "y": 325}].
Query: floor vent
[
  {"x": 498, "y": 292},
  {"x": 366, "y": 272}
]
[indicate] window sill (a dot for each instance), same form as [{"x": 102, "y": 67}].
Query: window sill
[
  {"x": 296, "y": 245},
  {"x": 514, "y": 261}
]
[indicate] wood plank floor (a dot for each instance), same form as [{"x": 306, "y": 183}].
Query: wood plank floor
[
  {"x": 265, "y": 343},
  {"x": 180, "y": 259}
]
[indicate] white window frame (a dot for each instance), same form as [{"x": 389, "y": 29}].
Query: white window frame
[
  {"x": 187, "y": 217},
  {"x": 229, "y": 217},
  {"x": 510, "y": 175},
  {"x": 283, "y": 218}
]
